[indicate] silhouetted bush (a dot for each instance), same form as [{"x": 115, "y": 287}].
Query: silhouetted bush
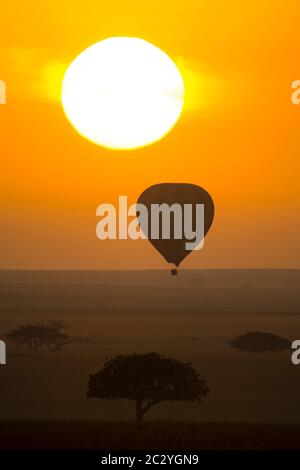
[
  {"x": 49, "y": 334},
  {"x": 260, "y": 342}
]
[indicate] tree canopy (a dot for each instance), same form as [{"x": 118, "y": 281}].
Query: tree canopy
[{"x": 147, "y": 379}]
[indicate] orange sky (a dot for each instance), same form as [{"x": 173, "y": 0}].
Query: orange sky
[{"x": 239, "y": 135}]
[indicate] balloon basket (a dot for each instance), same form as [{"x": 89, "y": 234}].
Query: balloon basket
[{"x": 174, "y": 272}]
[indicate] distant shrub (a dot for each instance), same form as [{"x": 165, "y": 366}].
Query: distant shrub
[
  {"x": 50, "y": 334},
  {"x": 260, "y": 342}
]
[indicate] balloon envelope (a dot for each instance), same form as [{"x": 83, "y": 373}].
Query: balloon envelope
[{"x": 173, "y": 249}]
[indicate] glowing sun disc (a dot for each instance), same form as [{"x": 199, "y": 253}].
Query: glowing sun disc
[{"x": 123, "y": 93}]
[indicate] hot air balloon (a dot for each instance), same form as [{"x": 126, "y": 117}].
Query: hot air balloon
[{"x": 162, "y": 197}]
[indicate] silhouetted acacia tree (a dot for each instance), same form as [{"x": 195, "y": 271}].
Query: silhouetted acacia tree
[
  {"x": 147, "y": 379},
  {"x": 50, "y": 334},
  {"x": 260, "y": 342}
]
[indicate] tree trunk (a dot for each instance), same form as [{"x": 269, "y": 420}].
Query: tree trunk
[{"x": 139, "y": 412}]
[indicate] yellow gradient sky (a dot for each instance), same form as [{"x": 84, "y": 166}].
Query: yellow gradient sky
[{"x": 239, "y": 135}]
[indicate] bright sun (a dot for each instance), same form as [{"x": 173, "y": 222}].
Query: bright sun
[{"x": 123, "y": 93}]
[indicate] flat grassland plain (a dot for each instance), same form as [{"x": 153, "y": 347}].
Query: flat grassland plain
[{"x": 253, "y": 400}]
